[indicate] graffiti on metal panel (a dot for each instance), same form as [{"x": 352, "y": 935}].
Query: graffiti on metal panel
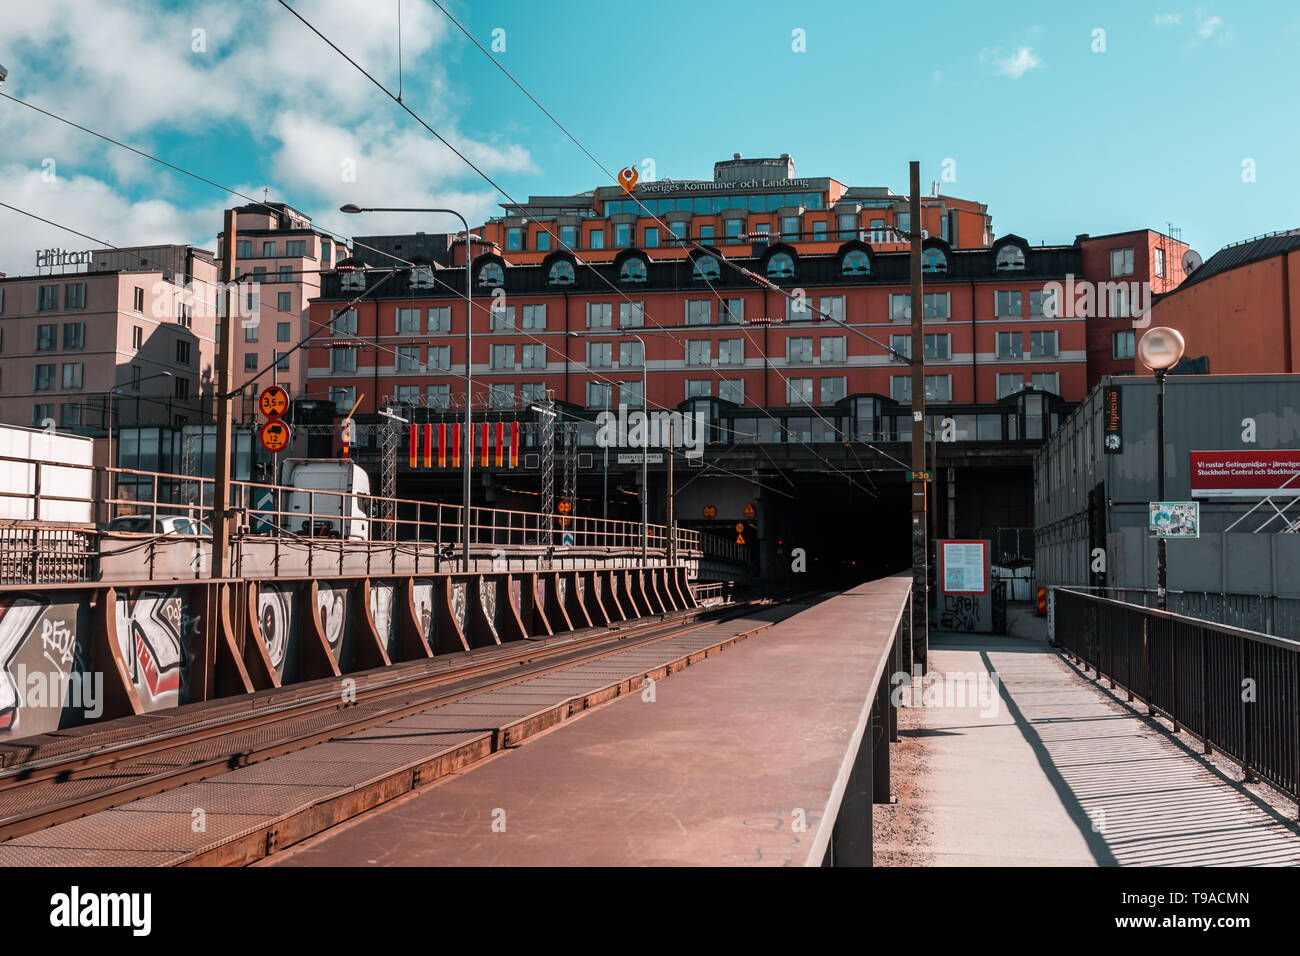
[
  {"x": 582, "y": 590},
  {"x": 561, "y": 591},
  {"x": 154, "y": 628},
  {"x": 517, "y": 594},
  {"x": 275, "y": 615},
  {"x": 487, "y": 595},
  {"x": 961, "y": 612},
  {"x": 424, "y": 609},
  {"x": 333, "y": 604},
  {"x": 381, "y": 609},
  {"x": 459, "y": 603},
  {"x": 45, "y": 681}
]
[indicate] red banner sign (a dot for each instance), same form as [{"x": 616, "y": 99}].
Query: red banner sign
[{"x": 1245, "y": 474}]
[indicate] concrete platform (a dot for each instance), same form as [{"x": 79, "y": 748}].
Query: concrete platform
[{"x": 747, "y": 761}]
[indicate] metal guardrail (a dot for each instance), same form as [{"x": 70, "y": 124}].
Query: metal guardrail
[
  {"x": 1236, "y": 690},
  {"x": 1265, "y": 613},
  {"x": 31, "y": 554}
]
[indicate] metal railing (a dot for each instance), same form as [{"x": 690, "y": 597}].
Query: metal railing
[
  {"x": 1265, "y": 613},
  {"x": 1236, "y": 690},
  {"x": 30, "y": 555}
]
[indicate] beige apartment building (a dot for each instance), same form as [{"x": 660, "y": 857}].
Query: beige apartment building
[
  {"x": 132, "y": 331},
  {"x": 277, "y": 246}
]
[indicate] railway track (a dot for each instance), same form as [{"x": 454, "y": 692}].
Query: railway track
[{"x": 122, "y": 764}]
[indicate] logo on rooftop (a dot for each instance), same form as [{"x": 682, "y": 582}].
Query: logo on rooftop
[{"x": 627, "y": 177}]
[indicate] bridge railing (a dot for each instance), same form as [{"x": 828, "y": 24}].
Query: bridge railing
[{"x": 1236, "y": 690}]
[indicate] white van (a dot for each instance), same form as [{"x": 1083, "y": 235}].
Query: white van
[{"x": 336, "y": 515}]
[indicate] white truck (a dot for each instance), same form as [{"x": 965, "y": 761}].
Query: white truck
[
  {"x": 39, "y": 477},
  {"x": 328, "y": 498}
]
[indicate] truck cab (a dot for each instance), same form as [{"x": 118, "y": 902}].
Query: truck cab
[{"x": 329, "y": 498}]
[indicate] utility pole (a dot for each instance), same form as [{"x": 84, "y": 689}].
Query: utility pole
[
  {"x": 920, "y": 555},
  {"x": 221, "y": 487},
  {"x": 672, "y": 517}
]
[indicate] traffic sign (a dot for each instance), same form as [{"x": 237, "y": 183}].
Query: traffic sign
[
  {"x": 565, "y": 506},
  {"x": 275, "y": 436},
  {"x": 710, "y": 511},
  {"x": 740, "y": 533},
  {"x": 749, "y": 510},
  {"x": 273, "y": 402},
  {"x": 920, "y": 476}
]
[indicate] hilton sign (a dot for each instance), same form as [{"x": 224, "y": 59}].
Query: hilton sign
[{"x": 51, "y": 258}]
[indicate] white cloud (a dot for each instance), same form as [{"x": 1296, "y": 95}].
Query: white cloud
[
  {"x": 1016, "y": 65},
  {"x": 1207, "y": 27},
  {"x": 1168, "y": 19}
]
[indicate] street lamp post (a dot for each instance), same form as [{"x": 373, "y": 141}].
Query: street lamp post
[
  {"x": 467, "y": 443},
  {"x": 1160, "y": 350}
]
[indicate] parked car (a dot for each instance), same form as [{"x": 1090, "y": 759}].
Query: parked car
[{"x": 161, "y": 524}]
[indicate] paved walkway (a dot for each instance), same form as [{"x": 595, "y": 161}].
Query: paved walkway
[{"x": 1064, "y": 774}]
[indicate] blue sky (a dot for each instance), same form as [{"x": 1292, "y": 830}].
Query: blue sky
[{"x": 1056, "y": 137}]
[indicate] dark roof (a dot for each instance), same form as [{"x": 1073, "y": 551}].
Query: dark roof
[{"x": 1243, "y": 253}]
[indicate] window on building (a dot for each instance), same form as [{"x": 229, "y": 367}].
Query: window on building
[
  {"x": 406, "y": 394},
  {"x": 137, "y": 337},
  {"x": 343, "y": 360},
  {"x": 731, "y": 351},
  {"x": 135, "y": 378},
  {"x": 937, "y": 346},
  {"x": 652, "y": 237},
  {"x": 790, "y": 227},
  {"x": 284, "y": 301},
  {"x": 47, "y": 337},
  {"x": 440, "y": 358},
  {"x": 699, "y": 352},
  {"x": 568, "y": 236},
  {"x": 1010, "y": 259},
  {"x": 798, "y": 350},
  {"x": 244, "y": 249},
  {"x": 534, "y": 317},
  {"x": 268, "y": 250},
  {"x": 1008, "y": 305},
  {"x": 561, "y": 273},
  {"x": 596, "y": 239},
  {"x": 325, "y": 251},
  {"x": 1009, "y": 383},
  {"x": 286, "y": 274},
  {"x": 72, "y": 374},
  {"x": 259, "y": 273},
  {"x": 41, "y": 414},
  {"x": 283, "y": 331},
  {"x": 1159, "y": 264},
  {"x": 74, "y": 335},
  {"x": 501, "y": 395},
  {"x": 734, "y": 228},
  {"x": 543, "y": 240},
  {"x": 251, "y": 331},
  {"x": 491, "y": 274},
  {"x": 855, "y": 263},
  {"x": 502, "y": 317},
  {"x": 250, "y": 361},
  {"x": 798, "y": 391},
  {"x": 408, "y": 320},
  {"x": 732, "y": 311},
  {"x": 600, "y": 394},
  {"x": 705, "y": 267},
  {"x": 1120, "y": 304},
  {"x": 439, "y": 318},
  {"x": 343, "y": 397},
  {"x": 503, "y": 356},
  {"x": 1047, "y": 382},
  {"x": 933, "y": 260},
  {"x": 834, "y": 348},
  {"x": 632, "y": 270},
  {"x": 600, "y": 315},
  {"x": 833, "y": 389},
  {"x": 407, "y": 358},
  {"x": 1042, "y": 344},
  {"x": 345, "y": 323},
  {"x": 1011, "y": 345},
  {"x": 848, "y": 223},
  {"x": 182, "y": 352},
  {"x": 732, "y": 390},
  {"x": 833, "y": 306},
  {"x": 900, "y": 307},
  {"x": 47, "y": 298},
  {"x": 631, "y": 354},
  {"x": 631, "y": 315},
  {"x": 600, "y": 354},
  {"x": 70, "y": 414},
  {"x": 901, "y": 343},
  {"x": 514, "y": 238},
  {"x": 622, "y": 234},
  {"x": 1122, "y": 344},
  {"x": 438, "y": 396},
  {"x": 818, "y": 231},
  {"x": 798, "y": 309},
  {"x": 630, "y": 394},
  {"x": 938, "y": 388},
  {"x": 780, "y": 266},
  {"x": 699, "y": 387},
  {"x": 706, "y": 233},
  {"x": 530, "y": 393},
  {"x": 281, "y": 362},
  {"x": 1036, "y": 302},
  {"x": 533, "y": 356},
  {"x": 699, "y": 311},
  {"x": 74, "y": 295},
  {"x": 295, "y": 248},
  {"x": 1121, "y": 262}
]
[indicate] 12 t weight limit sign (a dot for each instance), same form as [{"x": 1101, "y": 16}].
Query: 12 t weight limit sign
[{"x": 275, "y": 436}]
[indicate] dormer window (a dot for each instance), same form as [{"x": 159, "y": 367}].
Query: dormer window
[
  {"x": 706, "y": 267},
  {"x": 933, "y": 260},
  {"x": 491, "y": 274},
  {"x": 780, "y": 266},
  {"x": 422, "y": 277},
  {"x": 561, "y": 273},
  {"x": 1010, "y": 259},
  {"x": 856, "y": 263},
  {"x": 632, "y": 270}
]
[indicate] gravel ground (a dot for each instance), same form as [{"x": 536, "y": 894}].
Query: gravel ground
[{"x": 900, "y": 829}]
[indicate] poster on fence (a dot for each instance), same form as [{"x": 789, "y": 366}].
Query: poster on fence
[{"x": 1175, "y": 519}]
